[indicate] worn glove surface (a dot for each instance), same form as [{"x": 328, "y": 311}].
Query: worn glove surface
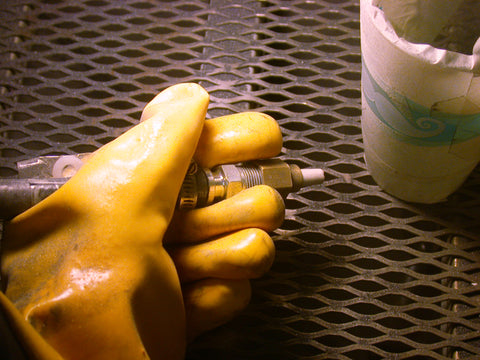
[{"x": 101, "y": 271}]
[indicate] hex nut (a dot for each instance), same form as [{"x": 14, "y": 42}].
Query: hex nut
[
  {"x": 276, "y": 174},
  {"x": 233, "y": 179}
]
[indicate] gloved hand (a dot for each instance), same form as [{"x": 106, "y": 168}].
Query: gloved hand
[{"x": 100, "y": 270}]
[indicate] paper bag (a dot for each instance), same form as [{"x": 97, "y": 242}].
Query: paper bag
[{"x": 420, "y": 103}]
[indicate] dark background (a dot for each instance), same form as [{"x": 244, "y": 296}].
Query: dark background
[{"x": 358, "y": 274}]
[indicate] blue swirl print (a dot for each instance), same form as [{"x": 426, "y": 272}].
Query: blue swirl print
[{"x": 414, "y": 123}]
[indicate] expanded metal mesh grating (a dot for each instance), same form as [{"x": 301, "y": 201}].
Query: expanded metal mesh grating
[{"x": 358, "y": 274}]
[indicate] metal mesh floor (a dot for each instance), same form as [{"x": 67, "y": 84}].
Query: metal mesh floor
[{"x": 358, "y": 274}]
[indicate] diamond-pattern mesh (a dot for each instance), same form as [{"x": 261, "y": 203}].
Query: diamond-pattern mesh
[{"x": 358, "y": 274}]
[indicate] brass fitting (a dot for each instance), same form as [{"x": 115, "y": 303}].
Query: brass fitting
[{"x": 224, "y": 181}]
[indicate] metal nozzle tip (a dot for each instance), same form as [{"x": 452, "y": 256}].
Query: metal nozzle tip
[{"x": 312, "y": 176}]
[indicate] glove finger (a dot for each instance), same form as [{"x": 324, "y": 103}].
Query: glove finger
[
  {"x": 245, "y": 254},
  {"x": 210, "y": 303},
  {"x": 150, "y": 160},
  {"x": 259, "y": 206},
  {"x": 239, "y": 137}
]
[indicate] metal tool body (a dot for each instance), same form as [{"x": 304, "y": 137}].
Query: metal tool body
[{"x": 42, "y": 176}]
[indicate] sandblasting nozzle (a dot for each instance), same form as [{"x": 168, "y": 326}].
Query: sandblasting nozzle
[{"x": 42, "y": 176}]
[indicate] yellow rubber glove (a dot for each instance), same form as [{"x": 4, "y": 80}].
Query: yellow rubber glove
[
  {"x": 87, "y": 267},
  {"x": 216, "y": 249}
]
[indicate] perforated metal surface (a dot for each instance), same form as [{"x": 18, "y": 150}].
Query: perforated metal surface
[{"x": 358, "y": 274}]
